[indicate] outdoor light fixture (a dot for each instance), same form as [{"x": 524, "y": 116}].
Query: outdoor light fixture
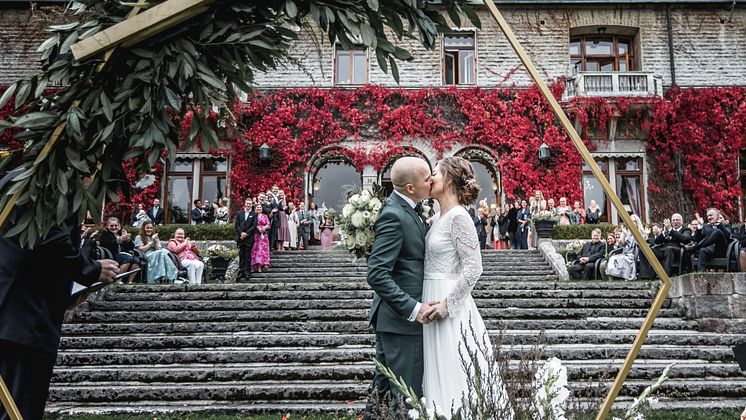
[
  {"x": 265, "y": 153},
  {"x": 544, "y": 153}
]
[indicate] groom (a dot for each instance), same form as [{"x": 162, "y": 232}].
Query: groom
[{"x": 396, "y": 272}]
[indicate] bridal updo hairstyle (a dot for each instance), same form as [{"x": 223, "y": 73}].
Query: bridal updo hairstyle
[{"x": 459, "y": 173}]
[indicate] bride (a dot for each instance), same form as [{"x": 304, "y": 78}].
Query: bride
[{"x": 453, "y": 264}]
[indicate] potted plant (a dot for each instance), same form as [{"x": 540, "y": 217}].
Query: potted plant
[
  {"x": 218, "y": 257},
  {"x": 544, "y": 222}
]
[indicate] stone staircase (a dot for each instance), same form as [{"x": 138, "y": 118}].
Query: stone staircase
[{"x": 296, "y": 339}]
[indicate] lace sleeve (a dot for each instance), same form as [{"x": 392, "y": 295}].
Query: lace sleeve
[{"x": 467, "y": 247}]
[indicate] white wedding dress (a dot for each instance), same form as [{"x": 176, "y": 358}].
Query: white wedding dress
[{"x": 453, "y": 264}]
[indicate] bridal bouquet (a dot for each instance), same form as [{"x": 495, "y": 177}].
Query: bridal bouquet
[{"x": 357, "y": 219}]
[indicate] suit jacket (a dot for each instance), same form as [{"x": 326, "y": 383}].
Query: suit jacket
[
  {"x": 396, "y": 267},
  {"x": 593, "y": 251},
  {"x": 159, "y": 216},
  {"x": 109, "y": 241},
  {"x": 678, "y": 238},
  {"x": 512, "y": 220},
  {"x": 247, "y": 225},
  {"x": 35, "y": 285},
  {"x": 197, "y": 215},
  {"x": 305, "y": 215}
]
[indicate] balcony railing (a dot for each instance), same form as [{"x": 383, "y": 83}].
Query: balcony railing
[{"x": 631, "y": 83}]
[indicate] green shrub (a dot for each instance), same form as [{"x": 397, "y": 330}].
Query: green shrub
[
  {"x": 206, "y": 232},
  {"x": 580, "y": 231}
]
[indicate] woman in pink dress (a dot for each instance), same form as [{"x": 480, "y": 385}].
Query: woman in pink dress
[
  {"x": 260, "y": 252},
  {"x": 327, "y": 226}
]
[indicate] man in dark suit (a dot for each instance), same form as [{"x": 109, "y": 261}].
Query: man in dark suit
[
  {"x": 198, "y": 213},
  {"x": 674, "y": 237},
  {"x": 711, "y": 240},
  {"x": 396, "y": 274},
  {"x": 513, "y": 225},
  {"x": 585, "y": 266},
  {"x": 275, "y": 207},
  {"x": 245, "y": 229},
  {"x": 156, "y": 213},
  {"x": 306, "y": 221},
  {"x": 35, "y": 286}
]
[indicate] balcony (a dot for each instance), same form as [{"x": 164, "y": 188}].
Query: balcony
[{"x": 631, "y": 83}]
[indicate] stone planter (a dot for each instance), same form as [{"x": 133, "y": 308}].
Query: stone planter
[
  {"x": 544, "y": 228},
  {"x": 218, "y": 266}
]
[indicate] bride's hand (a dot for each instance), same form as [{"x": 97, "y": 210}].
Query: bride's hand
[{"x": 437, "y": 311}]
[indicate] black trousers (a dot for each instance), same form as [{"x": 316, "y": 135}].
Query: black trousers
[
  {"x": 244, "y": 258},
  {"x": 27, "y": 372},
  {"x": 304, "y": 237},
  {"x": 585, "y": 271},
  {"x": 403, "y": 355},
  {"x": 712, "y": 246}
]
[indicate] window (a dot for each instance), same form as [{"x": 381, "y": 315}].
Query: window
[
  {"x": 191, "y": 179},
  {"x": 602, "y": 53},
  {"x": 459, "y": 59},
  {"x": 592, "y": 189},
  {"x": 629, "y": 185},
  {"x": 351, "y": 66}
]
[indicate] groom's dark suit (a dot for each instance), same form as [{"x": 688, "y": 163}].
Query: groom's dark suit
[{"x": 396, "y": 272}]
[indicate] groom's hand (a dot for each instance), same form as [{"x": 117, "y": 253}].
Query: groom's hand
[{"x": 422, "y": 314}]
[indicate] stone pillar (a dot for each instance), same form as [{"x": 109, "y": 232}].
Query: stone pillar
[
  {"x": 717, "y": 301},
  {"x": 370, "y": 177}
]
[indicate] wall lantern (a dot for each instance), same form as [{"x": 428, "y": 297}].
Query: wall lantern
[
  {"x": 265, "y": 152},
  {"x": 544, "y": 153}
]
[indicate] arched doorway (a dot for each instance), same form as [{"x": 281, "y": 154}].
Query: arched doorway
[
  {"x": 485, "y": 172},
  {"x": 385, "y": 174},
  {"x": 331, "y": 174}
]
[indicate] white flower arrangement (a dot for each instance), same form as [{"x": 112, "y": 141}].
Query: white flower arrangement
[
  {"x": 550, "y": 383},
  {"x": 357, "y": 219},
  {"x": 221, "y": 251}
]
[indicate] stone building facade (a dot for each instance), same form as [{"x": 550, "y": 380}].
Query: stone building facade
[{"x": 601, "y": 49}]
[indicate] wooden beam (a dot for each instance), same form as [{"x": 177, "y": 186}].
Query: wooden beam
[
  {"x": 588, "y": 158},
  {"x": 140, "y": 27}
]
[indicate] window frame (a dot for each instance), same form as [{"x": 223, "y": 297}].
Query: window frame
[
  {"x": 606, "y": 211},
  {"x": 365, "y": 50},
  {"x": 629, "y": 56},
  {"x": 637, "y": 173},
  {"x": 458, "y": 51}
]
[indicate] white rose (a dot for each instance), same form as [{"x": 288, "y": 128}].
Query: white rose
[
  {"x": 365, "y": 193},
  {"x": 349, "y": 241},
  {"x": 375, "y": 203},
  {"x": 347, "y": 210},
  {"x": 355, "y": 199},
  {"x": 361, "y": 238},
  {"x": 357, "y": 219},
  {"x": 364, "y": 198},
  {"x": 366, "y": 215}
]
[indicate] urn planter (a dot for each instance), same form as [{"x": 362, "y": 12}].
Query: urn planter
[
  {"x": 544, "y": 228},
  {"x": 219, "y": 266}
]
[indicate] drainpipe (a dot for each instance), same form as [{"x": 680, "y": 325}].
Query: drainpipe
[{"x": 670, "y": 45}]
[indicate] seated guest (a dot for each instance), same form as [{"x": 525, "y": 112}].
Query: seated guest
[
  {"x": 160, "y": 267},
  {"x": 119, "y": 243},
  {"x": 585, "y": 266},
  {"x": 610, "y": 242},
  {"x": 187, "y": 251},
  {"x": 673, "y": 237},
  {"x": 624, "y": 264},
  {"x": 711, "y": 240},
  {"x": 593, "y": 214}
]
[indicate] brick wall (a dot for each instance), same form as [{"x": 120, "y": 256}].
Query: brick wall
[{"x": 710, "y": 48}]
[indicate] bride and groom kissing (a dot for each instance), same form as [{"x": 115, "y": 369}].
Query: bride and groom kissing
[{"x": 423, "y": 277}]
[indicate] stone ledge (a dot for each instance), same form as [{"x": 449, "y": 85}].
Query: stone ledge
[{"x": 717, "y": 301}]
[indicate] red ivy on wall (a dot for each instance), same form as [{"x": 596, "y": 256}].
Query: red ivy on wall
[{"x": 300, "y": 123}]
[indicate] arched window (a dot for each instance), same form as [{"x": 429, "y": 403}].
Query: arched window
[{"x": 605, "y": 53}]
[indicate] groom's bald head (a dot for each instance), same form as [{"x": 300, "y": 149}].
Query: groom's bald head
[{"x": 411, "y": 177}]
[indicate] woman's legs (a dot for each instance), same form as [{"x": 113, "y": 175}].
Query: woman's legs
[{"x": 194, "y": 270}]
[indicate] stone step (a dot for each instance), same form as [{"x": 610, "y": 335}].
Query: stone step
[
  {"x": 358, "y": 285},
  {"x": 360, "y": 303},
  {"x": 304, "y": 278},
  {"x": 362, "y": 371},
  {"x": 155, "y": 408},
  {"x": 125, "y": 328},
  {"x": 258, "y": 340},
  {"x": 363, "y": 353},
  {"x": 487, "y": 271},
  {"x": 346, "y": 262},
  {"x": 351, "y": 314},
  {"x": 338, "y": 390}
]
